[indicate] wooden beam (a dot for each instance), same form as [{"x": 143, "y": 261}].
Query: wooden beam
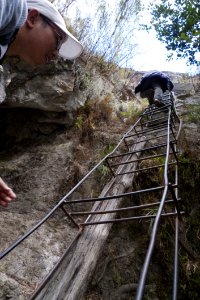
[{"x": 69, "y": 279}]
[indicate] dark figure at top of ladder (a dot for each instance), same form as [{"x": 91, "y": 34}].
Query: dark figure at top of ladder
[{"x": 152, "y": 86}]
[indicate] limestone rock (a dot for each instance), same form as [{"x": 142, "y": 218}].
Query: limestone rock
[
  {"x": 9, "y": 288},
  {"x": 2, "y": 86}
]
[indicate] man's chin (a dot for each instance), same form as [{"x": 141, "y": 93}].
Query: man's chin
[{"x": 34, "y": 63}]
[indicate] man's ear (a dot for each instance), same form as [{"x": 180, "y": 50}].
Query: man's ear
[{"x": 32, "y": 18}]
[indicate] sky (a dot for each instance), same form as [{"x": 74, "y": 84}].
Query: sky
[{"x": 152, "y": 54}]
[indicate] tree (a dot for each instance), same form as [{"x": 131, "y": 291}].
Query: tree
[
  {"x": 63, "y": 4},
  {"x": 105, "y": 28},
  {"x": 177, "y": 24}
]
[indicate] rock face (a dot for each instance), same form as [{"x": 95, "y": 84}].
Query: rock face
[
  {"x": 189, "y": 110},
  {"x": 49, "y": 142},
  {"x": 2, "y": 85},
  {"x": 46, "y": 88},
  {"x": 57, "y": 87}
]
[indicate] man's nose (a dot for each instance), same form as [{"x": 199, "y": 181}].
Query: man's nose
[{"x": 55, "y": 54}]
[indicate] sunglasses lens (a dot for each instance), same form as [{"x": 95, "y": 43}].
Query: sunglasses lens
[
  {"x": 59, "y": 38},
  {"x": 59, "y": 42}
]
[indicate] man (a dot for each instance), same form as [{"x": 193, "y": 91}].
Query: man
[
  {"x": 35, "y": 31},
  {"x": 152, "y": 86}
]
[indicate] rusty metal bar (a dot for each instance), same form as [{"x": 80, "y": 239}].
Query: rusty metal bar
[
  {"x": 172, "y": 130},
  {"x": 148, "y": 130},
  {"x": 145, "y": 169},
  {"x": 150, "y": 139},
  {"x": 127, "y": 146},
  {"x": 156, "y": 120},
  {"x": 156, "y": 110},
  {"x": 101, "y": 212},
  {"x": 140, "y": 159},
  {"x": 136, "y": 131},
  {"x": 176, "y": 248},
  {"x": 69, "y": 216},
  {"x": 141, "y": 123},
  {"x": 154, "y": 189},
  {"x": 175, "y": 200},
  {"x": 172, "y": 121},
  {"x": 128, "y": 219},
  {"x": 109, "y": 166},
  {"x": 141, "y": 150},
  {"x": 174, "y": 152}
]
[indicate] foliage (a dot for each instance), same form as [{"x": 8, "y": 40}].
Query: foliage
[
  {"x": 105, "y": 28},
  {"x": 92, "y": 114},
  {"x": 79, "y": 121},
  {"x": 193, "y": 113},
  {"x": 106, "y": 108},
  {"x": 189, "y": 176},
  {"x": 107, "y": 150},
  {"x": 177, "y": 25},
  {"x": 104, "y": 171},
  {"x": 105, "y": 68},
  {"x": 131, "y": 114},
  {"x": 189, "y": 173}
]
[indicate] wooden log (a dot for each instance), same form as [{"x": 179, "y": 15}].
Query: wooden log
[{"x": 69, "y": 279}]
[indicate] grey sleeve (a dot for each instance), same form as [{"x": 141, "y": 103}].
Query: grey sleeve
[{"x": 13, "y": 14}]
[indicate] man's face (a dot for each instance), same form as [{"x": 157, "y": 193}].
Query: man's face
[{"x": 40, "y": 40}]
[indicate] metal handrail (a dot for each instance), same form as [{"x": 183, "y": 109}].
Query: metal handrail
[
  {"x": 142, "y": 280},
  {"x": 141, "y": 285}
]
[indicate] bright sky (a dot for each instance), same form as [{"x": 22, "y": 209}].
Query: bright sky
[{"x": 152, "y": 53}]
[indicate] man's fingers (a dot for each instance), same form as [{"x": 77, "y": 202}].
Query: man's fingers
[
  {"x": 6, "y": 194},
  {"x": 4, "y": 189},
  {"x": 3, "y": 185},
  {"x": 10, "y": 194},
  {"x": 5, "y": 197},
  {"x": 3, "y": 203}
]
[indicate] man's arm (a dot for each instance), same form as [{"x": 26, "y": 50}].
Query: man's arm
[{"x": 6, "y": 194}]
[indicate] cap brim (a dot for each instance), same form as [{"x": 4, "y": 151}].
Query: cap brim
[
  {"x": 70, "y": 49},
  {"x": 3, "y": 49}
]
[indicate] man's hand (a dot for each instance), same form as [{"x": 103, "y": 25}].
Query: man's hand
[{"x": 6, "y": 194}]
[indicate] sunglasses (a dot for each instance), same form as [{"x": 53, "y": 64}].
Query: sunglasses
[{"x": 59, "y": 38}]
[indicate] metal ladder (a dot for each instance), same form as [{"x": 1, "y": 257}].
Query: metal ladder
[{"x": 157, "y": 130}]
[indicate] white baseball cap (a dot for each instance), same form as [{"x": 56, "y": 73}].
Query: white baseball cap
[{"x": 71, "y": 48}]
